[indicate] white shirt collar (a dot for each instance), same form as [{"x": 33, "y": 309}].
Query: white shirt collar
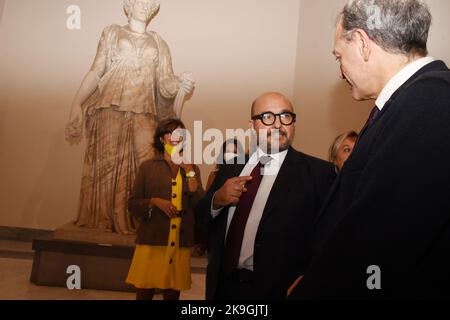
[
  {"x": 273, "y": 166},
  {"x": 399, "y": 79},
  {"x": 277, "y": 158}
]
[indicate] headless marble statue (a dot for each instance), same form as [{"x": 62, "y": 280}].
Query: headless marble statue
[{"x": 129, "y": 88}]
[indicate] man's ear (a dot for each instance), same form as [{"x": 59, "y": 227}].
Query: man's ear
[{"x": 364, "y": 43}]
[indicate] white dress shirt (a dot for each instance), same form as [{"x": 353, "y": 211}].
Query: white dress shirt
[
  {"x": 399, "y": 79},
  {"x": 270, "y": 174}
]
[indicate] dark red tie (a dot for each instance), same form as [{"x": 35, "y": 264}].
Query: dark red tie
[
  {"x": 236, "y": 229},
  {"x": 373, "y": 116}
]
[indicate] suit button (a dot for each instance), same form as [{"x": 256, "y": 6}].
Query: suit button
[
  {"x": 172, "y": 244},
  {"x": 174, "y": 226},
  {"x": 170, "y": 262},
  {"x": 174, "y": 196},
  {"x": 174, "y": 183}
]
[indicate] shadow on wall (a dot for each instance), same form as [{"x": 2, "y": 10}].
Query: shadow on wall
[
  {"x": 3, "y": 111},
  {"x": 54, "y": 189},
  {"x": 344, "y": 110},
  {"x": 2, "y": 6},
  {"x": 2, "y": 98}
]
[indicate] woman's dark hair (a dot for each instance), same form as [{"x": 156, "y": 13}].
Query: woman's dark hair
[{"x": 165, "y": 127}]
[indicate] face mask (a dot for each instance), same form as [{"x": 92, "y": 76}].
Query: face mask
[
  {"x": 229, "y": 156},
  {"x": 171, "y": 150}
]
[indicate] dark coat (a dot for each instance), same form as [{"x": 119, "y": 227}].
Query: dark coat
[
  {"x": 390, "y": 206},
  {"x": 154, "y": 180},
  {"x": 282, "y": 246}
]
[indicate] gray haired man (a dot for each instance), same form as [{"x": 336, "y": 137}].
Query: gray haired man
[{"x": 384, "y": 231}]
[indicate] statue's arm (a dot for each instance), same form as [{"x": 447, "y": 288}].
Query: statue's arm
[
  {"x": 98, "y": 68},
  {"x": 88, "y": 87},
  {"x": 168, "y": 82},
  {"x": 74, "y": 127}
]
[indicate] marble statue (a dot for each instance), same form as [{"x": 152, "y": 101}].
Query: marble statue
[{"x": 129, "y": 88}]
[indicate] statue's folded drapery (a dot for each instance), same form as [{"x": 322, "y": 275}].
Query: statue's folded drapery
[{"x": 136, "y": 88}]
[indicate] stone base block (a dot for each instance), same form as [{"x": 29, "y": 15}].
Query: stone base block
[
  {"x": 72, "y": 232},
  {"x": 103, "y": 267}
]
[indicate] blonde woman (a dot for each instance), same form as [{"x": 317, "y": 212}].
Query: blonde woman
[{"x": 341, "y": 149}]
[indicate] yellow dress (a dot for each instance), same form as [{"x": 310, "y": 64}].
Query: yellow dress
[{"x": 163, "y": 267}]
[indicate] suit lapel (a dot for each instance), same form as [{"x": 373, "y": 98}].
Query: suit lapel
[
  {"x": 234, "y": 171},
  {"x": 328, "y": 198}
]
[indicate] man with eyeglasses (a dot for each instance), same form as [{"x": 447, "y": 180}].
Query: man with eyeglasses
[{"x": 261, "y": 212}]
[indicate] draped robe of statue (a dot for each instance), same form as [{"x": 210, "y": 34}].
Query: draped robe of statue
[{"x": 136, "y": 89}]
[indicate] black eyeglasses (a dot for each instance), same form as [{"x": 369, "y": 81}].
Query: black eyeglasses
[{"x": 269, "y": 118}]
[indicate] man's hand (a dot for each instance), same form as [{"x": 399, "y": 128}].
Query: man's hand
[{"x": 231, "y": 192}]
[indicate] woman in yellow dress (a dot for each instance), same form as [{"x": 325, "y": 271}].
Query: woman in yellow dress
[{"x": 163, "y": 199}]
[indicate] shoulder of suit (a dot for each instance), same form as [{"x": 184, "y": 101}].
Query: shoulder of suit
[
  {"x": 311, "y": 160},
  {"x": 425, "y": 88},
  {"x": 438, "y": 73}
]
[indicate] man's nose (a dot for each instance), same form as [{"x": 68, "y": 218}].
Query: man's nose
[{"x": 277, "y": 124}]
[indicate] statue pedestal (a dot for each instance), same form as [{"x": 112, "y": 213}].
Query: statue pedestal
[
  {"x": 72, "y": 232},
  {"x": 104, "y": 258}
]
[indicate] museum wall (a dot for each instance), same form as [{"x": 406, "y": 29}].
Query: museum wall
[{"x": 236, "y": 49}]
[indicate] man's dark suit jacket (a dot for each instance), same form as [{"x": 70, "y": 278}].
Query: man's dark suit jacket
[
  {"x": 282, "y": 245},
  {"x": 390, "y": 206}
]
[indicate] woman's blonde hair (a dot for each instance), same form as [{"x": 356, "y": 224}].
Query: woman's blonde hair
[{"x": 337, "y": 143}]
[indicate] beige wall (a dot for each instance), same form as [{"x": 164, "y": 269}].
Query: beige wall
[
  {"x": 236, "y": 49},
  {"x": 324, "y": 104}
]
